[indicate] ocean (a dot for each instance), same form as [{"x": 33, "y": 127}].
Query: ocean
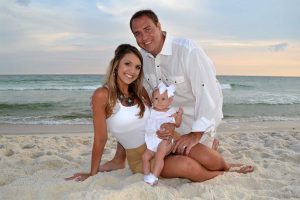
[{"x": 65, "y": 99}]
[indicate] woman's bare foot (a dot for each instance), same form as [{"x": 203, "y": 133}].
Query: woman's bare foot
[
  {"x": 240, "y": 168},
  {"x": 111, "y": 165}
]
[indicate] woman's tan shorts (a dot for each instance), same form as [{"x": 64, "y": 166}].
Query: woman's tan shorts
[{"x": 134, "y": 158}]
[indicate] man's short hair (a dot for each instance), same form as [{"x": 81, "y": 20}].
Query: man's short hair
[{"x": 149, "y": 13}]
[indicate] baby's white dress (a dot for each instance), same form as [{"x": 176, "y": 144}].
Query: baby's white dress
[{"x": 155, "y": 120}]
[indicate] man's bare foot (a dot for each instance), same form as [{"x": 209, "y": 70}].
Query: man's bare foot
[
  {"x": 111, "y": 165},
  {"x": 215, "y": 144},
  {"x": 240, "y": 168}
]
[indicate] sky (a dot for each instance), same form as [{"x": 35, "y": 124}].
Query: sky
[{"x": 255, "y": 38}]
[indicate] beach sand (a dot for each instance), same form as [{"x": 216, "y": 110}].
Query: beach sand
[{"x": 34, "y": 160}]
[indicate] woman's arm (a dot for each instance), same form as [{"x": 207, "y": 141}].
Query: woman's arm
[{"x": 99, "y": 100}]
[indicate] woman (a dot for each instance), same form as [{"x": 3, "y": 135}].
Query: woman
[{"x": 122, "y": 107}]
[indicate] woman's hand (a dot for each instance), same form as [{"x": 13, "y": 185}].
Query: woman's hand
[{"x": 78, "y": 177}]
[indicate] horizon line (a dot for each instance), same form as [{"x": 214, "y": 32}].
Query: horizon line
[{"x": 283, "y": 76}]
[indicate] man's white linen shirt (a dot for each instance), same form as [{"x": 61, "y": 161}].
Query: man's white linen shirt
[{"x": 183, "y": 63}]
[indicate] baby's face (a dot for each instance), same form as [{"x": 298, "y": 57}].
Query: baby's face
[{"x": 161, "y": 101}]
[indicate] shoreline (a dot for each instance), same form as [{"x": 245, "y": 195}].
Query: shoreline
[{"x": 224, "y": 127}]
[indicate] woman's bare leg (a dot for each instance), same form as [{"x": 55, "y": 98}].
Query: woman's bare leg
[{"x": 118, "y": 162}]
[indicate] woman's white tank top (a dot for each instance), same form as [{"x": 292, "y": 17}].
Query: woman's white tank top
[{"x": 126, "y": 126}]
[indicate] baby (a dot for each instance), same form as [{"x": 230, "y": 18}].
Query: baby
[{"x": 160, "y": 113}]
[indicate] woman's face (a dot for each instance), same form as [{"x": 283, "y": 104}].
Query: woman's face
[{"x": 129, "y": 69}]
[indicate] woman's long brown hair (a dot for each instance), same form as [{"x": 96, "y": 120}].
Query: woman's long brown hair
[{"x": 135, "y": 87}]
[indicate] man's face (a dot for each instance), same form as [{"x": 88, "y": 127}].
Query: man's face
[{"x": 148, "y": 35}]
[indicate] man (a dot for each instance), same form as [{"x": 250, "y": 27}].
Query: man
[{"x": 183, "y": 63}]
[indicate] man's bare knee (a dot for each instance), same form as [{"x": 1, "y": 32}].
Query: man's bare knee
[
  {"x": 186, "y": 167},
  {"x": 190, "y": 166}
]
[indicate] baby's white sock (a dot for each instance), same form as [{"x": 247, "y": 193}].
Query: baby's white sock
[{"x": 150, "y": 179}]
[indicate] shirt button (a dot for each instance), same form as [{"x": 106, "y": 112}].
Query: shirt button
[
  {"x": 203, "y": 85},
  {"x": 157, "y": 66},
  {"x": 159, "y": 79}
]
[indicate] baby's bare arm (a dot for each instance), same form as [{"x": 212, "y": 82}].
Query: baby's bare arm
[{"x": 178, "y": 117}]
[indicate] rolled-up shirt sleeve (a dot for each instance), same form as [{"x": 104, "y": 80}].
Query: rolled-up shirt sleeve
[{"x": 206, "y": 90}]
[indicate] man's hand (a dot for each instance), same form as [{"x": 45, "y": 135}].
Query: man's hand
[
  {"x": 166, "y": 131},
  {"x": 185, "y": 143}
]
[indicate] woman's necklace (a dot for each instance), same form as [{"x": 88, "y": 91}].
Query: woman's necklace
[{"x": 128, "y": 101}]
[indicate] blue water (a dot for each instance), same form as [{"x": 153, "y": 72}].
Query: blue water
[
  {"x": 65, "y": 99},
  {"x": 261, "y": 98}
]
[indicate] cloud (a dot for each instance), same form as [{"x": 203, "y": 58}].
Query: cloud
[
  {"x": 278, "y": 47},
  {"x": 243, "y": 43},
  {"x": 119, "y": 8},
  {"x": 114, "y": 8},
  {"x": 23, "y": 2}
]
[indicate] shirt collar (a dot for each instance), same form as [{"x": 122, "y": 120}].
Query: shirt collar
[{"x": 167, "y": 47}]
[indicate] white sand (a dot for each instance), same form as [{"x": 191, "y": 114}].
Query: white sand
[{"x": 34, "y": 166}]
